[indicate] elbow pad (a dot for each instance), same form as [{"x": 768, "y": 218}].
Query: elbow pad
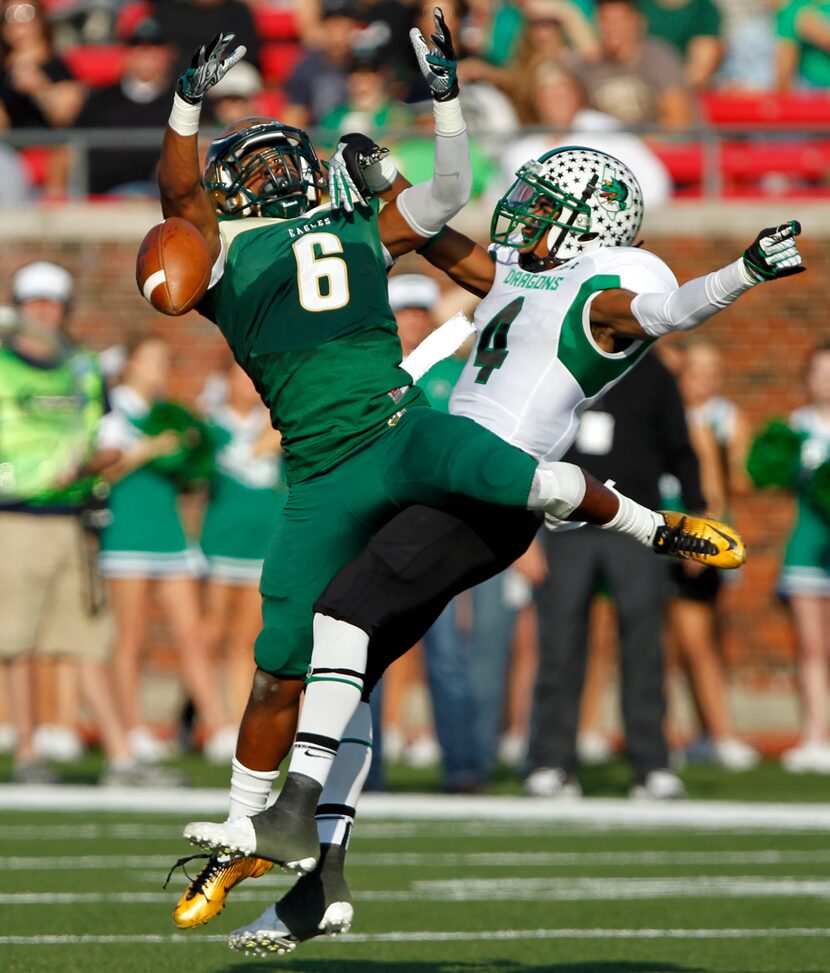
[{"x": 689, "y": 306}]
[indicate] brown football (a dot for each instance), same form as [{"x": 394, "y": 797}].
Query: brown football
[{"x": 173, "y": 266}]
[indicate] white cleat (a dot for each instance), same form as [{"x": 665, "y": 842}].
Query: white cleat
[
  {"x": 235, "y": 837},
  {"x": 551, "y": 782},
  {"x": 735, "y": 755},
  {"x": 659, "y": 785},
  {"x": 269, "y": 934}
]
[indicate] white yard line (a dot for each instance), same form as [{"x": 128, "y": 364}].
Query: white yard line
[
  {"x": 501, "y": 890},
  {"x": 529, "y": 859},
  {"x": 598, "y": 812},
  {"x": 499, "y": 935}
]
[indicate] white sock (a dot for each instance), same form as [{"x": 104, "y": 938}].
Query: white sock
[
  {"x": 333, "y": 691},
  {"x": 250, "y": 789},
  {"x": 635, "y": 520},
  {"x": 338, "y": 802}
]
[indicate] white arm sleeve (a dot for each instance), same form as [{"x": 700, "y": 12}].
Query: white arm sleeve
[
  {"x": 428, "y": 206},
  {"x": 689, "y": 306},
  {"x": 438, "y": 345}
]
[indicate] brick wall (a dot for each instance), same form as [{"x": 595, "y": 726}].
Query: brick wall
[{"x": 764, "y": 338}]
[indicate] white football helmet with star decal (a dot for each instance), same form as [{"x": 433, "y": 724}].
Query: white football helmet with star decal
[{"x": 581, "y": 198}]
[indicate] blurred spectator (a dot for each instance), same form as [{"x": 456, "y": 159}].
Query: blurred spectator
[
  {"x": 247, "y": 494},
  {"x": 637, "y": 79},
  {"x": 715, "y": 429},
  {"x": 805, "y": 578},
  {"x": 491, "y": 30},
  {"x": 190, "y": 23},
  {"x": 414, "y": 157},
  {"x": 552, "y": 30},
  {"x": 803, "y": 45},
  {"x": 413, "y": 298},
  {"x": 141, "y": 99},
  {"x": 701, "y": 381},
  {"x": 749, "y": 34},
  {"x": 693, "y": 27},
  {"x": 368, "y": 106},
  {"x": 14, "y": 182},
  {"x": 232, "y": 99},
  {"x": 36, "y": 87},
  {"x": 559, "y": 101},
  {"x": 634, "y": 433},
  {"x": 318, "y": 83},
  {"x": 51, "y": 597},
  {"x": 146, "y": 543},
  {"x": 497, "y": 604}
]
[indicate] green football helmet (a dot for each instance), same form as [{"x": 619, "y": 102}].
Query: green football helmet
[
  {"x": 260, "y": 167},
  {"x": 581, "y": 198}
]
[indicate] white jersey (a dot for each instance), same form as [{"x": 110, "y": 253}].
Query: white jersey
[{"x": 535, "y": 366}]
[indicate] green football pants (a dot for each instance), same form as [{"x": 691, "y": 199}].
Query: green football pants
[{"x": 427, "y": 457}]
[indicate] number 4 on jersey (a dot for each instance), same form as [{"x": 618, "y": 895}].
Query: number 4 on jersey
[{"x": 491, "y": 349}]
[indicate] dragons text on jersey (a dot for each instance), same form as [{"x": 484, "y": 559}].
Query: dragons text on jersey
[{"x": 535, "y": 366}]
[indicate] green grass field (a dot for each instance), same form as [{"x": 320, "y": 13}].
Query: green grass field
[{"x": 82, "y": 892}]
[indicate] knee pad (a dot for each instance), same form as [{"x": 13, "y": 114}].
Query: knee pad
[{"x": 557, "y": 488}]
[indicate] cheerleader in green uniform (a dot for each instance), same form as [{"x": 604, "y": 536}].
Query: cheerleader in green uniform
[
  {"x": 805, "y": 578},
  {"x": 247, "y": 493},
  {"x": 145, "y": 545}
]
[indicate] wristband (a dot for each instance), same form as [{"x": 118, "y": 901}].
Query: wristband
[
  {"x": 380, "y": 176},
  {"x": 448, "y": 118},
  {"x": 184, "y": 117}
]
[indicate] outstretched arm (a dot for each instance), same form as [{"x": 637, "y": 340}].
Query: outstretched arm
[
  {"x": 361, "y": 168},
  {"x": 773, "y": 254},
  {"x": 180, "y": 176},
  {"x": 421, "y": 211}
]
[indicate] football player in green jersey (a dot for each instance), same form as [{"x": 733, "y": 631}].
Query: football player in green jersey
[{"x": 299, "y": 291}]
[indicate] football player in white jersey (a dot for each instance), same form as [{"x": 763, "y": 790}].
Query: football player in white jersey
[{"x": 569, "y": 306}]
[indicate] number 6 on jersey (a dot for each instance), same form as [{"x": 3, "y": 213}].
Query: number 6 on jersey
[{"x": 322, "y": 280}]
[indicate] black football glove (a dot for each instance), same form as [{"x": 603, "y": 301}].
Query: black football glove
[
  {"x": 439, "y": 64},
  {"x": 207, "y": 67},
  {"x": 347, "y": 183},
  {"x": 774, "y": 252}
]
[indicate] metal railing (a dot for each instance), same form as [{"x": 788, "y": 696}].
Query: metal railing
[{"x": 82, "y": 141}]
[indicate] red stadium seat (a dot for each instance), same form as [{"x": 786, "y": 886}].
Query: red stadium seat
[
  {"x": 130, "y": 16},
  {"x": 747, "y": 162},
  {"x": 35, "y": 160},
  {"x": 750, "y": 165},
  {"x": 270, "y": 103},
  {"x": 275, "y": 23},
  {"x": 277, "y": 60},
  {"x": 798, "y": 108},
  {"x": 97, "y": 66}
]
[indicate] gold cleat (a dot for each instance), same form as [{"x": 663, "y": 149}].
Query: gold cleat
[
  {"x": 699, "y": 539},
  {"x": 205, "y": 897}
]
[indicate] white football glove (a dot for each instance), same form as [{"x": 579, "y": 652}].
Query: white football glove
[{"x": 343, "y": 192}]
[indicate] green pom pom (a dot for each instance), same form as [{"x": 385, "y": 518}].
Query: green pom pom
[
  {"x": 774, "y": 455},
  {"x": 818, "y": 490},
  {"x": 193, "y": 460}
]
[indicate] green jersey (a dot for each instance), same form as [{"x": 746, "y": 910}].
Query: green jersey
[
  {"x": 49, "y": 413},
  {"x": 303, "y": 305}
]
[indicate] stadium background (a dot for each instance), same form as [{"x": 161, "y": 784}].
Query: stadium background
[
  {"x": 764, "y": 338},
  {"x": 746, "y": 165}
]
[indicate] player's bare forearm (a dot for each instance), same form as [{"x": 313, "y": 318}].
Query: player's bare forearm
[
  {"x": 463, "y": 261},
  {"x": 181, "y": 189}
]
